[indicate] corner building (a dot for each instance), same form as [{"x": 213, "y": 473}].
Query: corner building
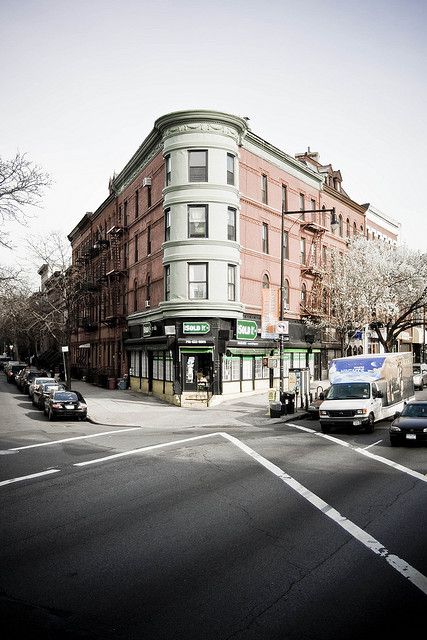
[{"x": 187, "y": 255}]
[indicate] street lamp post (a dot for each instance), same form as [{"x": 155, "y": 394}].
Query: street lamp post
[{"x": 334, "y": 225}]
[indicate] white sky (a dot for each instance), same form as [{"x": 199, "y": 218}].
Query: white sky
[{"x": 84, "y": 80}]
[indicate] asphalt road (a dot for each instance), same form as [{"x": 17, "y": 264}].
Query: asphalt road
[{"x": 251, "y": 533}]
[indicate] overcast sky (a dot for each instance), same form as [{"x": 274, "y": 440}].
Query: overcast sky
[{"x": 84, "y": 80}]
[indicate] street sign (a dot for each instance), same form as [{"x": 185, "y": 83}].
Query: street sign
[
  {"x": 282, "y": 327},
  {"x": 246, "y": 330},
  {"x": 64, "y": 349},
  {"x": 196, "y": 327}
]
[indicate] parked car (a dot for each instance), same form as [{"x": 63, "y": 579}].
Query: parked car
[
  {"x": 3, "y": 360},
  {"x": 39, "y": 380},
  {"x": 42, "y": 391},
  {"x": 12, "y": 368},
  {"x": 65, "y": 404},
  {"x": 420, "y": 375},
  {"x": 410, "y": 425},
  {"x": 27, "y": 377},
  {"x": 314, "y": 406}
]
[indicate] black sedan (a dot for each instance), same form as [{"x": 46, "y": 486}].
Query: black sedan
[
  {"x": 65, "y": 404},
  {"x": 410, "y": 425}
]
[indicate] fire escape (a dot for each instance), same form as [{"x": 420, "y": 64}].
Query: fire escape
[
  {"x": 312, "y": 305},
  {"x": 114, "y": 270}
]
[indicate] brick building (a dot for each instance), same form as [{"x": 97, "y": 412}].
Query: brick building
[{"x": 182, "y": 262}]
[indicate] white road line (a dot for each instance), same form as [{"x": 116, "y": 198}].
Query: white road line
[
  {"x": 364, "y": 452},
  {"x": 372, "y": 445},
  {"x": 400, "y": 565},
  {"x": 30, "y": 477},
  {"x": 142, "y": 449},
  {"x": 93, "y": 435}
]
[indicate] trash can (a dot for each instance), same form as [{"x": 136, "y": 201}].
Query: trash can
[
  {"x": 111, "y": 383},
  {"x": 121, "y": 383},
  {"x": 275, "y": 409},
  {"x": 288, "y": 402}
]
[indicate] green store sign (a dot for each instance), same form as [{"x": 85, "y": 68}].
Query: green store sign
[
  {"x": 196, "y": 327},
  {"x": 246, "y": 330}
]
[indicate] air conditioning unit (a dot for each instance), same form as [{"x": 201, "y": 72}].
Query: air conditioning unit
[
  {"x": 147, "y": 304},
  {"x": 146, "y": 182}
]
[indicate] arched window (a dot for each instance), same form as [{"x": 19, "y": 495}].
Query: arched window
[
  {"x": 323, "y": 216},
  {"x": 340, "y": 228},
  {"x": 265, "y": 281},
  {"x": 303, "y": 294},
  {"x": 286, "y": 294},
  {"x": 348, "y": 228},
  {"x": 354, "y": 229}
]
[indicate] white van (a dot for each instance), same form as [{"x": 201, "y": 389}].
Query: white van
[{"x": 365, "y": 389}]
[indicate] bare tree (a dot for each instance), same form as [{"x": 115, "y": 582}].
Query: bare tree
[{"x": 21, "y": 186}]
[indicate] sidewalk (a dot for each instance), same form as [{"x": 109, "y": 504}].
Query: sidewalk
[{"x": 130, "y": 408}]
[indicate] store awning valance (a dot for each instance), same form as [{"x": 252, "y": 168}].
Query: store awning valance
[
  {"x": 196, "y": 349},
  {"x": 247, "y": 351}
]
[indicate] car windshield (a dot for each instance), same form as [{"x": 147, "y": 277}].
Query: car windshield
[
  {"x": 417, "y": 369},
  {"x": 354, "y": 390},
  {"x": 65, "y": 396},
  {"x": 415, "y": 411}
]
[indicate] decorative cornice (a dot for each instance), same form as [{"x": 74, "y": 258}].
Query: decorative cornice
[{"x": 203, "y": 121}]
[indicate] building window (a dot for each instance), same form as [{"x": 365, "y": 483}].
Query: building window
[
  {"x": 264, "y": 192},
  {"x": 303, "y": 294},
  {"x": 302, "y": 250},
  {"x": 198, "y": 221},
  {"x": 198, "y": 281},
  {"x": 197, "y": 166},
  {"x": 167, "y": 281},
  {"x": 231, "y": 224},
  {"x": 302, "y": 205},
  {"x": 135, "y": 295},
  {"x": 148, "y": 296},
  {"x": 265, "y": 281},
  {"x": 148, "y": 240},
  {"x": 148, "y": 196},
  {"x": 286, "y": 294},
  {"x": 355, "y": 229},
  {"x": 285, "y": 245},
  {"x": 136, "y": 248},
  {"x": 230, "y": 168},
  {"x": 324, "y": 216},
  {"x": 265, "y": 237},
  {"x": 313, "y": 208},
  {"x": 284, "y": 197},
  {"x": 348, "y": 228},
  {"x": 167, "y": 170},
  {"x": 136, "y": 203},
  {"x": 340, "y": 228},
  {"x": 167, "y": 224},
  {"x": 231, "y": 282},
  {"x": 125, "y": 214}
]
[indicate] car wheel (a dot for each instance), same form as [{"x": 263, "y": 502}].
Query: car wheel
[
  {"x": 325, "y": 429},
  {"x": 394, "y": 443}
]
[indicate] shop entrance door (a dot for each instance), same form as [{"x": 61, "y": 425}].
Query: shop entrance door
[{"x": 197, "y": 371}]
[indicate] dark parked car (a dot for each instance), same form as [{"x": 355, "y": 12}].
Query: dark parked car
[
  {"x": 65, "y": 404},
  {"x": 410, "y": 425},
  {"x": 3, "y": 361},
  {"x": 314, "y": 406},
  {"x": 26, "y": 379},
  {"x": 42, "y": 391},
  {"x": 12, "y": 368}
]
